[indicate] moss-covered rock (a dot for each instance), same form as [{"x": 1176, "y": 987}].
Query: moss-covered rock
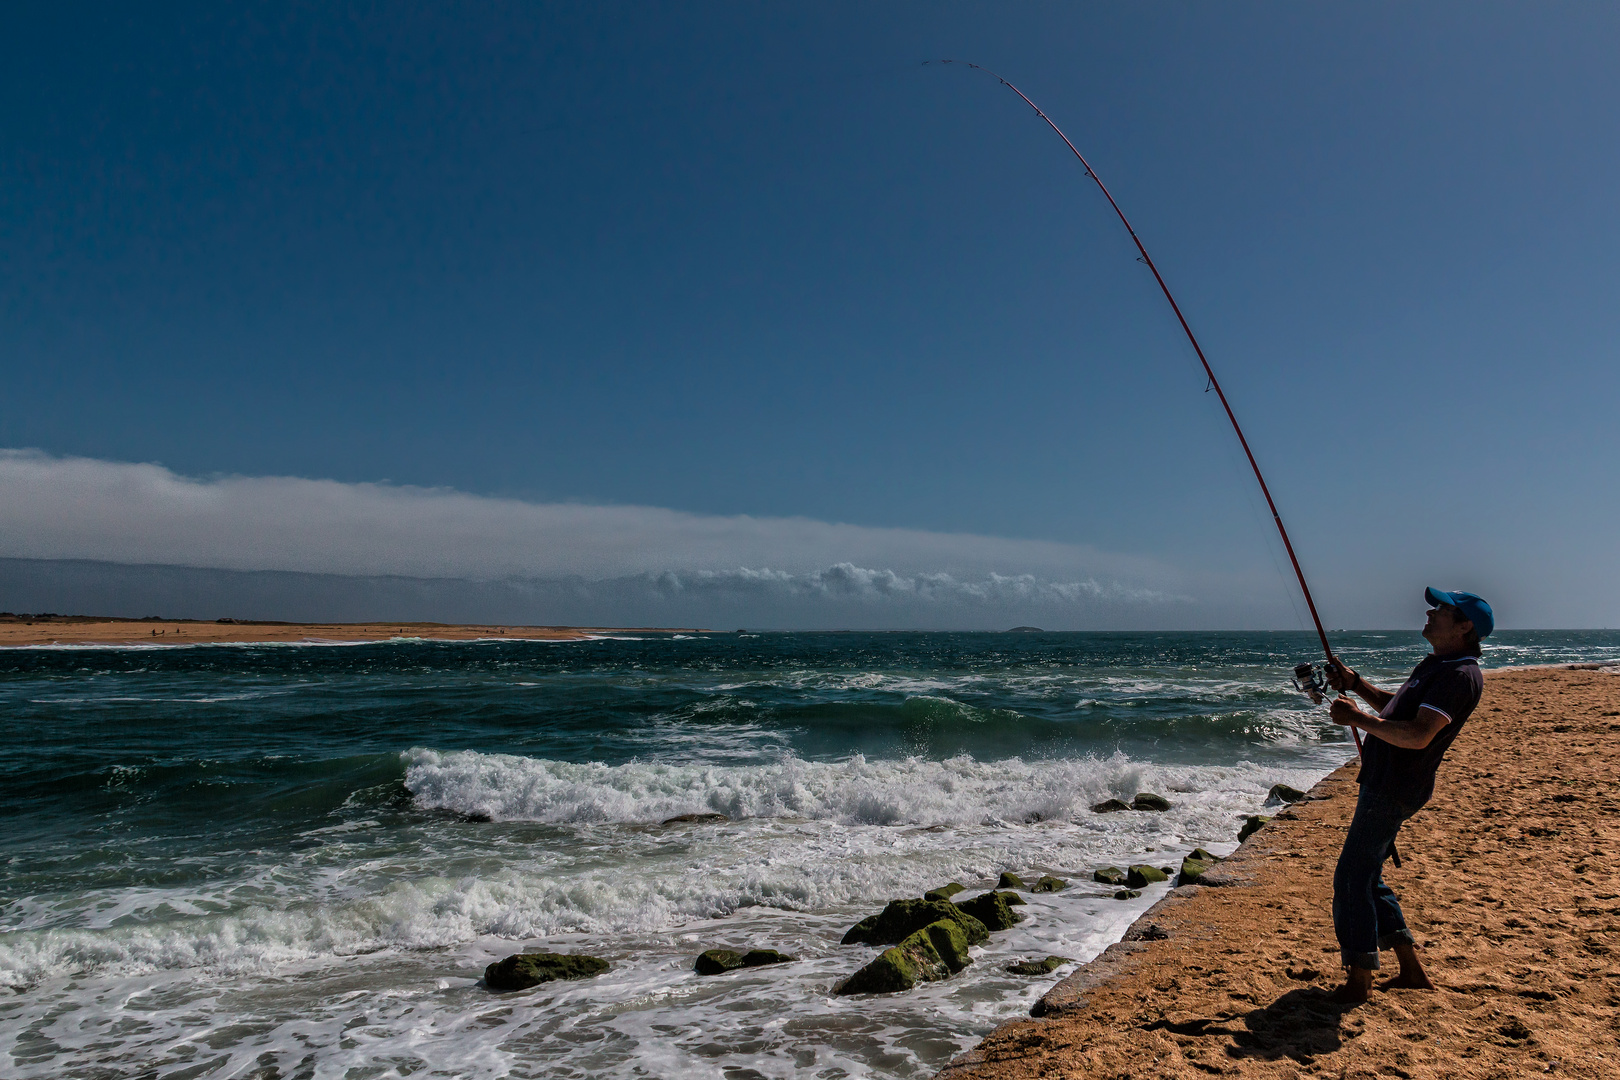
[
  {"x": 1038, "y": 967},
  {"x": 717, "y": 961},
  {"x": 720, "y": 961},
  {"x": 1146, "y": 800},
  {"x": 896, "y": 969},
  {"x": 916, "y": 959},
  {"x": 1141, "y": 875},
  {"x": 1010, "y": 880},
  {"x": 903, "y": 918},
  {"x": 945, "y": 892},
  {"x": 1251, "y": 825},
  {"x": 1048, "y": 883},
  {"x": 1012, "y": 898},
  {"x": 1111, "y": 806},
  {"x": 992, "y": 910},
  {"x": 523, "y": 970},
  {"x": 1109, "y": 875},
  {"x": 950, "y": 941},
  {"x": 762, "y": 957},
  {"x": 1284, "y": 793},
  {"x": 1127, "y": 894},
  {"x": 1203, "y": 856},
  {"x": 695, "y": 819},
  {"x": 1191, "y": 870}
]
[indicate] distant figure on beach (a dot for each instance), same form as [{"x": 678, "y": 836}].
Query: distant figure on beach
[{"x": 1411, "y": 732}]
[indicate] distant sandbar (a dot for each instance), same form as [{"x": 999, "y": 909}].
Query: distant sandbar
[{"x": 37, "y": 630}]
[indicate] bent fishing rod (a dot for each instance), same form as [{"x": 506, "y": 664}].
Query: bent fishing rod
[{"x": 1305, "y": 675}]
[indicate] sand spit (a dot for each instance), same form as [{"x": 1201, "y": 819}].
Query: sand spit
[
  {"x": 90, "y": 630},
  {"x": 1511, "y": 882}
]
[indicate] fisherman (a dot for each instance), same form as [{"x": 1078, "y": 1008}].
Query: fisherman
[{"x": 1411, "y": 731}]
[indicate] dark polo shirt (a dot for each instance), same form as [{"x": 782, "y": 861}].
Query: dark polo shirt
[{"x": 1452, "y": 687}]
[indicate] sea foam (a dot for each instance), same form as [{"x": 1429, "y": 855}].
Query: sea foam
[
  {"x": 803, "y": 836},
  {"x": 853, "y": 791}
]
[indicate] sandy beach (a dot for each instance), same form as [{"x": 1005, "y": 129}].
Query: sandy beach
[
  {"x": 1511, "y": 882},
  {"x": 91, "y": 630}
]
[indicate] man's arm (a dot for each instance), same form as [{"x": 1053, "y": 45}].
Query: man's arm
[
  {"x": 1345, "y": 681},
  {"x": 1412, "y": 734}
]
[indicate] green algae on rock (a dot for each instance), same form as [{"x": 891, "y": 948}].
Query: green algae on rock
[
  {"x": 1191, "y": 870},
  {"x": 992, "y": 910},
  {"x": 523, "y": 970},
  {"x": 950, "y": 941},
  {"x": 1038, "y": 967},
  {"x": 1109, "y": 875},
  {"x": 720, "y": 961},
  {"x": 934, "y": 953},
  {"x": 1048, "y": 883},
  {"x": 762, "y": 957},
  {"x": 717, "y": 961},
  {"x": 901, "y": 918},
  {"x": 1142, "y": 875},
  {"x": 1251, "y": 825}
]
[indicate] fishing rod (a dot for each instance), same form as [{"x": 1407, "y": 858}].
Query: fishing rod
[{"x": 1306, "y": 677}]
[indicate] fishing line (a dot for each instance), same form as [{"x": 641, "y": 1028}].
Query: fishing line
[{"x": 1306, "y": 671}]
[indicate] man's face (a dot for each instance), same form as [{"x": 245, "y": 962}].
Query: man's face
[{"x": 1446, "y": 629}]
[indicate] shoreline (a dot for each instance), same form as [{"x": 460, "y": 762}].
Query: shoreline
[
  {"x": 1511, "y": 883},
  {"x": 93, "y": 631}
]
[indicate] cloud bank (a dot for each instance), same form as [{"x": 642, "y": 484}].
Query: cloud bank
[{"x": 769, "y": 571}]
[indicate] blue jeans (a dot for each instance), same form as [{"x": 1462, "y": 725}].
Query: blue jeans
[{"x": 1366, "y": 915}]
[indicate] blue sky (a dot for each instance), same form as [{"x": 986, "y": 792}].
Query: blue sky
[{"x": 756, "y": 263}]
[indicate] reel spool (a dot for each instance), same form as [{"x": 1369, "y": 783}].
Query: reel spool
[{"x": 1311, "y": 680}]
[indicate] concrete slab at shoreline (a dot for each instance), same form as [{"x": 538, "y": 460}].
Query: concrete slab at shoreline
[{"x": 1511, "y": 882}]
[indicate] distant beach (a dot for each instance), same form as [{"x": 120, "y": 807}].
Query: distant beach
[{"x": 97, "y": 630}]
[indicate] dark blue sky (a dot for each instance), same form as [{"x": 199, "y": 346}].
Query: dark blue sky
[{"x": 753, "y": 259}]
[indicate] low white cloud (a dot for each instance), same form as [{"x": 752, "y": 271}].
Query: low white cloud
[
  {"x": 79, "y": 534},
  {"x": 81, "y": 508},
  {"x": 848, "y": 581}
]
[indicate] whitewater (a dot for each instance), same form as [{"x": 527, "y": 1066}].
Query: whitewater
[{"x": 273, "y": 861}]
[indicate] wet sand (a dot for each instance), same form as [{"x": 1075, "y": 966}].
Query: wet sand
[
  {"x": 1511, "y": 883},
  {"x": 81, "y": 630}
]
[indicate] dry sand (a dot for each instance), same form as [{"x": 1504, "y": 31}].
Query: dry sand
[
  {"x": 1511, "y": 883},
  {"x": 89, "y": 630}
]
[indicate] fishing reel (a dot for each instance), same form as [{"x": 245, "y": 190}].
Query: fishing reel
[{"x": 1312, "y": 680}]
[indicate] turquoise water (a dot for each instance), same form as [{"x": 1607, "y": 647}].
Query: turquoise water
[{"x": 290, "y": 860}]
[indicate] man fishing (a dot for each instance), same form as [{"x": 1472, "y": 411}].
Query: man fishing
[
  {"x": 1413, "y": 728},
  {"x": 1411, "y": 732}
]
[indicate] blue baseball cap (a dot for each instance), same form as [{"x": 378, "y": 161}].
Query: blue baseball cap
[{"x": 1473, "y": 608}]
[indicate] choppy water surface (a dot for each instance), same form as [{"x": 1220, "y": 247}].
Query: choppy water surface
[{"x": 295, "y": 861}]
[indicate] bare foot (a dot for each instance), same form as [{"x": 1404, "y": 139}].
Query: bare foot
[
  {"x": 1412, "y": 976},
  {"x": 1407, "y": 980},
  {"x": 1356, "y": 989}
]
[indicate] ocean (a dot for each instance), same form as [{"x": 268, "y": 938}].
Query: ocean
[{"x": 280, "y": 861}]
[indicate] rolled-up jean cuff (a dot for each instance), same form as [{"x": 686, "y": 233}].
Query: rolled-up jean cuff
[
  {"x": 1366, "y": 961},
  {"x": 1403, "y": 936}
]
